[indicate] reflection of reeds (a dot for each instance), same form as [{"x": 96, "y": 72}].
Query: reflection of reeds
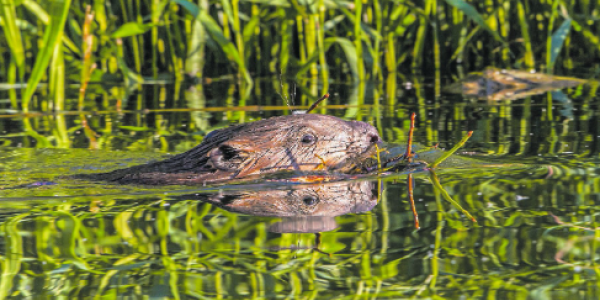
[
  {"x": 102, "y": 245},
  {"x": 183, "y": 113}
]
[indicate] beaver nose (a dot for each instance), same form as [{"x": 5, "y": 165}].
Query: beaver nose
[
  {"x": 373, "y": 138},
  {"x": 370, "y": 133}
]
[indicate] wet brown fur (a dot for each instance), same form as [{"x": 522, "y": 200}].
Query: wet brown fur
[{"x": 263, "y": 147}]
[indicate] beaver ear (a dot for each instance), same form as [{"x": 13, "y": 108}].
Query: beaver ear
[{"x": 229, "y": 155}]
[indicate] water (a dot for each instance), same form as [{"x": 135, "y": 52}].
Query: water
[{"x": 535, "y": 203}]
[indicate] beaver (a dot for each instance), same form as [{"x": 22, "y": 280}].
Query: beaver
[{"x": 301, "y": 142}]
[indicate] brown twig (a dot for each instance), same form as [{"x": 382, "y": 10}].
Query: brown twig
[
  {"x": 317, "y": 102},
  {"x": 412, "y": 200},
  {"x": 408, "y": 153}
]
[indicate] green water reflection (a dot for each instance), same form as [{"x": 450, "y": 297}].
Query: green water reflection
[{"x": 535, "y": 235}]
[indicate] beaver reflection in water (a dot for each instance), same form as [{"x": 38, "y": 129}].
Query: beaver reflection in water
[
  {"x": 306, "y": 142},
  {"x": 303, "y": 208}
]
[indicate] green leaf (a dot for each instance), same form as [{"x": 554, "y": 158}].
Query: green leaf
[
  {"x": 131, "y": 29},
  {"x": 228, "y": 11},
  {"x": 59, "y": 10},
  {"x": 41, "y": 14},
  {"x": 189, "y": 6},
  {"x": 350, "y": 52},
  {"x": 558, "y": 38},
  {"x": 367, "y": 29},
  {"x": 249, "y": 30},
  {"x": 472, "y": 13}
]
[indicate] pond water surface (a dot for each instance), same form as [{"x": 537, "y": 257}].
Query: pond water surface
[{"x": 536, "y": 200}]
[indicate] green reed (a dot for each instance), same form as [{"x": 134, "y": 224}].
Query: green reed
[{"x": 164, "y": 39}]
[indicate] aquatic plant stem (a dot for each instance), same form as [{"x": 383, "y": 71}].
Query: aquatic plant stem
[
  {"x": 408, "y": 153},
  {"x": 436, "y": 183},
  {"x": 378, "y": 157},
  {"x": 528, "y": 57},
  {"x": 87, "y": 44},
  {"x": 358, "y": 40},
  {"x": 451, "y": 151},
  {"x": 52, "y": 35}
]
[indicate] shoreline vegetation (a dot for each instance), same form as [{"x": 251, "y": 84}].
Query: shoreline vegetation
[{"x": 137, "y": 41}]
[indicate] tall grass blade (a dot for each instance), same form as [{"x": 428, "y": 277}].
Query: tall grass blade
[
  {"x": 249, "y": 33},
  {"x": 57, "y": 93},
  {"x": 100, "y": 15},
  {"x": 589, "y": 35},
  {"x": 420, "y": 38},
  {"x": 13, "y": 34},
  {"x": 286, "y": 41},
  {"x": 238, "y": 35},
  {"x": 358, "y": 39},
  {"x": 529, "y": 60},
  {"x": 53, "y": 33},
  {"x": 197, "y": 42},
  {"x": 35, "y": 8},
  {"x": 216, "y": 33},
  {"x": 472, "y": 13},
  {"x": 349, "y": 50}
]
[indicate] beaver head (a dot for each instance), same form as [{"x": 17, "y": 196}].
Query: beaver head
[{"x": 305, "y": 142}]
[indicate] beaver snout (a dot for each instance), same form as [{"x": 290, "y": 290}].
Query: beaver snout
[{"x": 371, "y": 136}]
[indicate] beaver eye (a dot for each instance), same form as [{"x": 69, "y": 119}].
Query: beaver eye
[
  {"x": 308, "y": 139},
  {"x": 310, "y": 200}
]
